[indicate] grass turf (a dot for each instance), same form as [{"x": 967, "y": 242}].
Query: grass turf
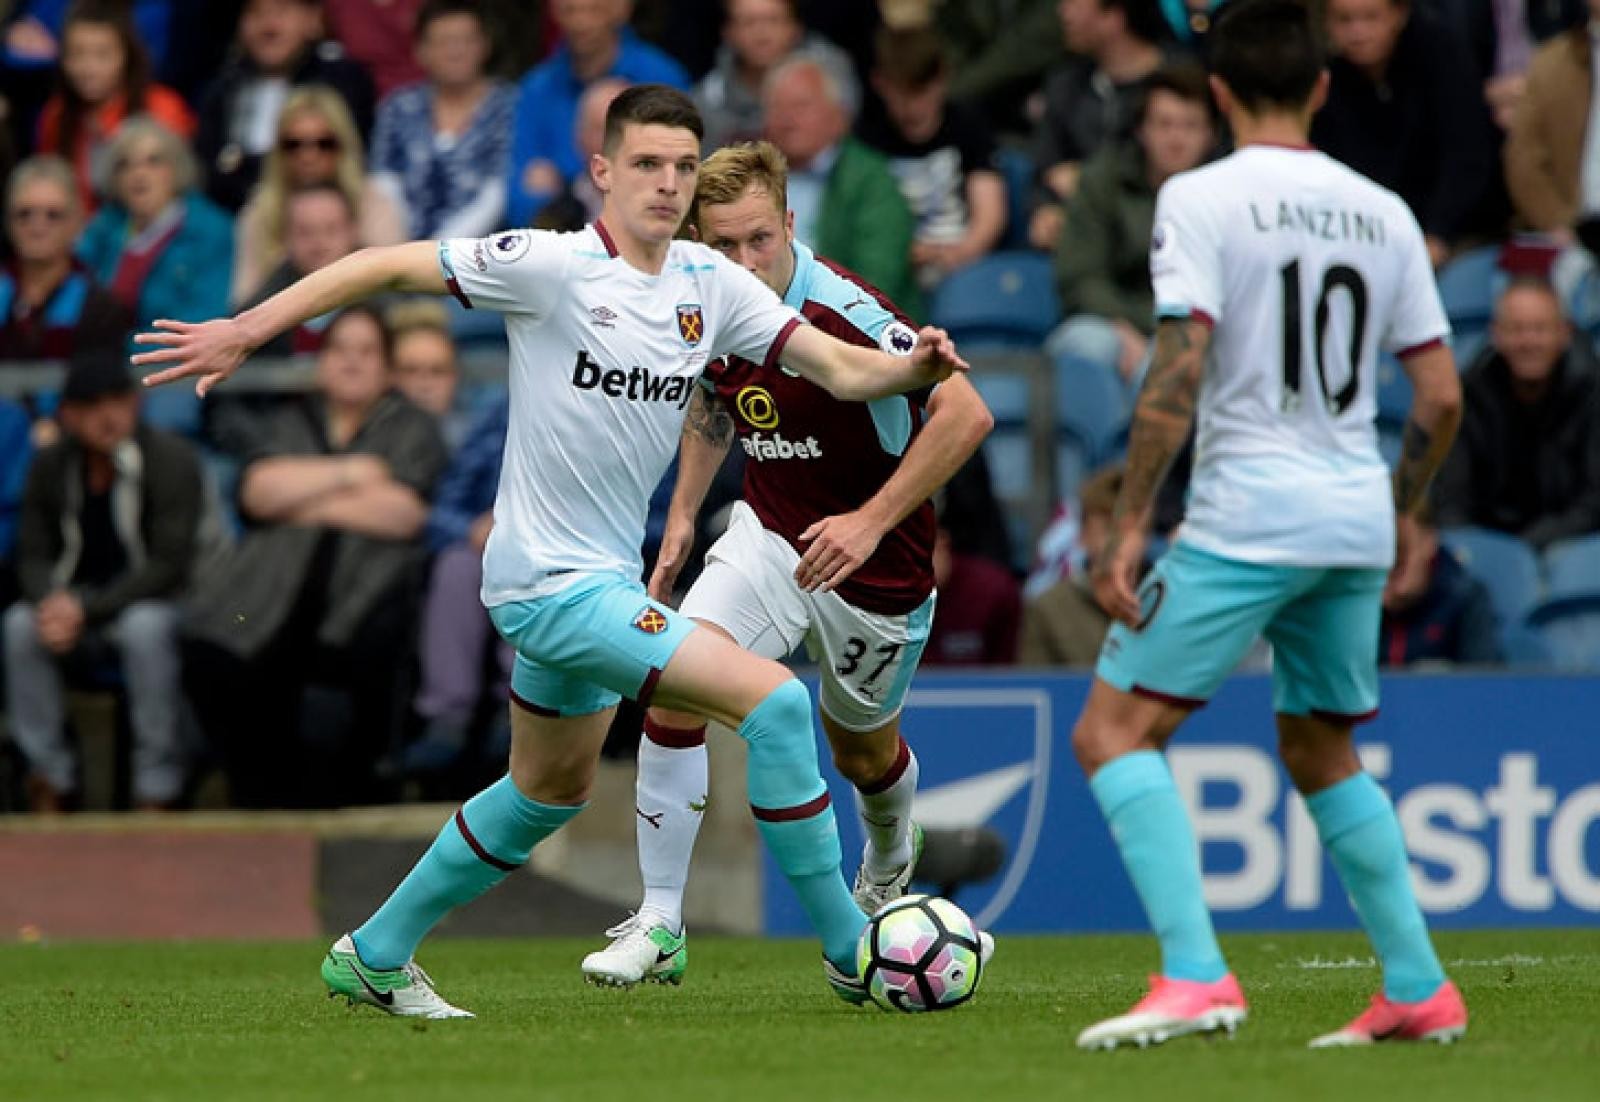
[{"x": 754, "y": 1018}]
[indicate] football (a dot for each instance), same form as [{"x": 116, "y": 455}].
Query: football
[{"x": 920, "y": 953}]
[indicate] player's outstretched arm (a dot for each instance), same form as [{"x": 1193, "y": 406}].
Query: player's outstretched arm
[
  {"x": 1431, "y": 428},
  {"x": 958, "y": 421},
  {"x": 1161, "y": 420},
  {"x": 857, "y": 374},
  {"x": 707, "y": 435},
  {"x": 210, "y": 351}
]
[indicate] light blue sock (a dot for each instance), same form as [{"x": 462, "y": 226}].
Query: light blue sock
[
  {"x": 1152, "y": 830},
  {"x": 1358, "y": 828},
  {"x": 490, "y": 836},
  {"x": 792, "y": 811}
]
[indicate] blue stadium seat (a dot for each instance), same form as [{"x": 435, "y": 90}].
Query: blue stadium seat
[
  {"x": 1467, "y": 344},
  {"x": 175, "y": 408},
  {"x": 1468, "y": 285},
  {"x": 1525, "y": 648},
  {"x": 1091, "y": 405},
  {"x": 1571, "y": 630},
  {"x": 1506, "y": 565},
  {"x": 1394, "y": 392},
  {"x": 1073, "y": 465},
  {"x": 1572, "y": 569},
  {"x": 1005, "y": 300},
  {"x": 1016, "y": 167}
]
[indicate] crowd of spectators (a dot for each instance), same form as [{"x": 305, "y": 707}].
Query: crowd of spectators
[{"x": 282, "y": 586}]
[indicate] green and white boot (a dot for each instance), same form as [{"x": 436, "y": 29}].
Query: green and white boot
[
  {"x": 641, "y": 948},
  {"x": 406, "y": 992}
]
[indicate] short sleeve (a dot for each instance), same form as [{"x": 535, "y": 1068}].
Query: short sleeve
[
  {"x": 513, "y": 272},
  {"x": 1418, "y": 320},
  {"x": 750, "y": 320},
  {"x": 1185, "y": 256}
]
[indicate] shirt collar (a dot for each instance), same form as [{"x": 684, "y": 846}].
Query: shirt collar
[{"x": 800, "y": 283}]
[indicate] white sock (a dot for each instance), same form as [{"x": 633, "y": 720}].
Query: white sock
[
  {"x": 885, "y": 807},
  {"x": 670, "y": 800}
]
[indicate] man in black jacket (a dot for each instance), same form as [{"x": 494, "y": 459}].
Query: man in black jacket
[
  {"x": 280, "y": 47},
  {"x": 109, "y": 527},
  {"x": 1527, "y": 460}
]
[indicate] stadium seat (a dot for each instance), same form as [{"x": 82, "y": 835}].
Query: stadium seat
[
  {"x": 1468, "y": 284},
  {"x": 1467, "y": 344},
  {"x": 1091, "y": 405},
  {"x": 1571, "y": 631},
  {"x": 1005, "y": 300},
  {"x": 1525, "y": 648},
  {"x": 1394, "y": 392},
  {"x": 1016, "y": 168},
  {"x": 1572, "y": 569},
  {"x": 175, "y": 408},
  {"x": 1506, "y": 565}
]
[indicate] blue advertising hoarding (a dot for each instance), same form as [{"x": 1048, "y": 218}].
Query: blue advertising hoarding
[{"x": 1496, "y": 780}]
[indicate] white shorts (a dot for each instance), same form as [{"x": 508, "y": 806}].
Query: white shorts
[{"x": 867, "y": 659}]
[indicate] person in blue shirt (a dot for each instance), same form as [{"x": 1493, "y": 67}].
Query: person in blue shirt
[{"x": 596, "y": 43}]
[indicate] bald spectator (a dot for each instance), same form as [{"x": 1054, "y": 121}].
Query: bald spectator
[
  {"x": 281, "y": 46},
  {"x": 756, "y": 36},
  {"x": 845, "y": 199},
  {"x": 1527, "y": 459},
  {"x": 596, "y": 43}
]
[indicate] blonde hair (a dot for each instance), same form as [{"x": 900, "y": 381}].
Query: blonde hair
[
  {"x": 733, "y": 170},
  {"x": 419, "y": 315},
  {"x": 273, "y": 191}
]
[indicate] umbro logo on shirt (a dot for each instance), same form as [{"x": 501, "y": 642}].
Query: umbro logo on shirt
[
  {"x": 603, "y": 316},
  {"x": 637, "y": 384}
]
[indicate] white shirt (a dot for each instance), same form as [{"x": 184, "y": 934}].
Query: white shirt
[
  {"x": 603, "y": 360},
  {"x": 1292, "y": 258}
]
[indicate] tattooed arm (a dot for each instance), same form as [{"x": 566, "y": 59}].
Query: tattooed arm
[
  {"x": 707, "y": 436},
  {"x": 1161, "y": 421},
  {"x": 1431, "y": 428}
]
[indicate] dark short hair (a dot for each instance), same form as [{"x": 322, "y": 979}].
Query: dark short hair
[
  {"x": 1143, "y": 18},
  {"x": 1267, "y": 53},
  {"x": 95, "y": 373},
  {"x": 372, "y": 314},
  {"x": 326, "y": 187},
  {"x": 1184, "y": 79},
  {"x": 651, "y": 105},
  {"x": 433, "y": 10},
  {"x": 909, "y": 57}
]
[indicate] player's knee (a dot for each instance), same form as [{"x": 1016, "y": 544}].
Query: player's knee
[
  {"x": 559, "y": 782},
  {"x": 1316, "y": 758},
  {"x": 785, "y": 708}
]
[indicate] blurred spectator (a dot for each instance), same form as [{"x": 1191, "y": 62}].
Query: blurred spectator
[
  {"x": 756, "y": 36},
  {"x": 379, "y": 34},
  {"x": 295, "y": 647},
  {"x": 1405, "y": 107},
  {"x": 845, "y": 200},
  {"x": 109, "y": 530},
  {"x": 317, "y": 144},
  {"x": 579, "y": 201},
  {"x": 158, "y": 244},
  {"x": 942, "y": 154},
  {"x": 979, "y": 610},
  {"x": 1527, "y": 460},
  {"x": 426, "y": 370},
  {"x": 1433, "y": 610},
  {"x": 441, "y": 147},
  {"x": 1552, "y": 154},
  {"x": 1065, "y": 625},
  {"x": 319, "y": 228},
  {"x": 105, "y": 78},
  {"x": 456, "y": 632},
  {"x": 1091, "y": 99},
  {"x": 50, "y": 305},
  {"x": 280, "y": 48},
  {"x": 1000, "y": 51},
  {"x": 1103, "y": 253},
  {"x": 597, "y": 42},
  {"x": 35, "y": 30}
]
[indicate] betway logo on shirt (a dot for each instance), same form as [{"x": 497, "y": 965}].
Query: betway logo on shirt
[
  {"x": 637, "y": 384},
  {"x": 762, "y": 446}
]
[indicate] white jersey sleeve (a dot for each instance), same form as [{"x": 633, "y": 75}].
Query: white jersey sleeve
[
  {"x": 1186, "y": 255},
  {"x": 1418, "y": 318},
  {"x": 753, "y": 322},
  {"x": 513, "y": 272}
]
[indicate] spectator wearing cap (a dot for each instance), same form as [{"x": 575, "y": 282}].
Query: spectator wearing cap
[
  {"x": 50, "y": 304},
  {"x": 281, "y": 47},
  {"x": 596, "y": 43},
  {"x": 110, "y": 526},
  {"x": 160, "y": 246}
]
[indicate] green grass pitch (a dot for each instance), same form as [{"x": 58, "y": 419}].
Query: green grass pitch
[{"x": 754, "y": 1022}]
